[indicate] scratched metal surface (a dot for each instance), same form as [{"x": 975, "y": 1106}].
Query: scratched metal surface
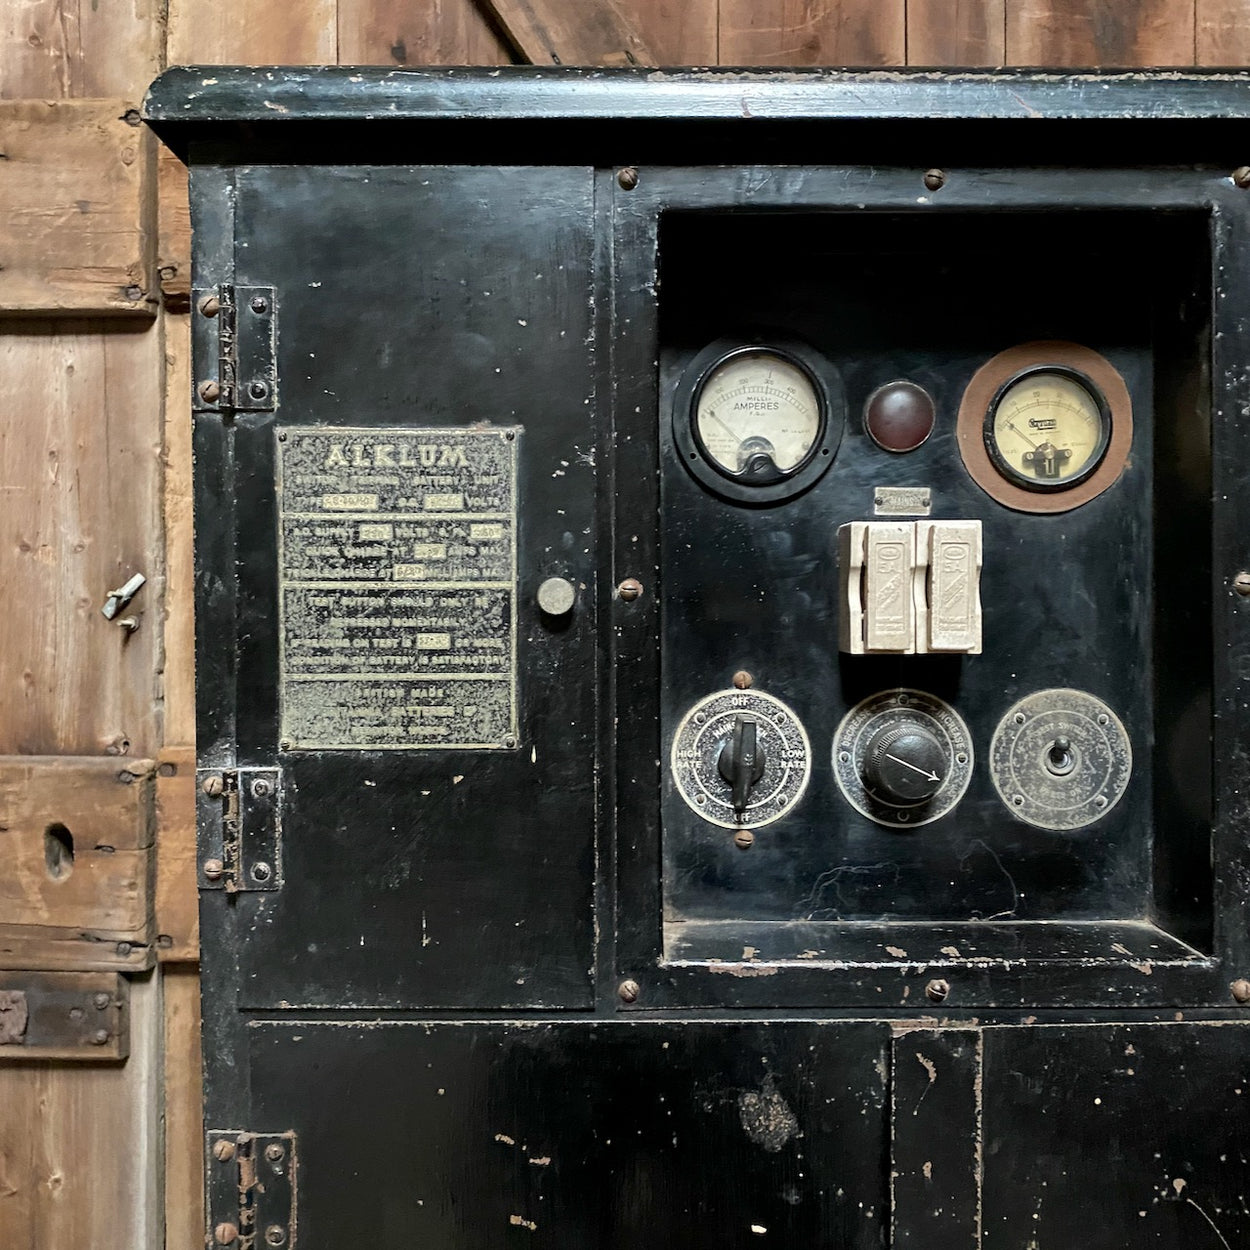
[{"x": 432, "y": 1001}]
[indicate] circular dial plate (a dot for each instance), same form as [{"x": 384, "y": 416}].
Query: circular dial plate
[
  {"x": 702, "y": 734},
  {"x": 757, "y": 403},
  {"x": 886, "y": 710},
  {"x": 1070, "y": 785},
  {"x": 1048, "y": 430},
  {"x": 1002, "y": 383}
]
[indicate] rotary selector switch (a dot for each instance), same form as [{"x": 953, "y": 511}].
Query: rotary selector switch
[
  {"x": 1060, "y": 759},
  {"x": 741, "y": 759},
  {"x": 902, "y": 758}
]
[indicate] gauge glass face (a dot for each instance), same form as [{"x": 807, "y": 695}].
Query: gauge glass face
[
  {"x": 1047, "y": 430},
  {"x": 758, "y": 415}
]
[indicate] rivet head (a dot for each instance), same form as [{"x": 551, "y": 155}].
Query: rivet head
[
  {"x": 744, "y": 839},
  {"x": 628, "y": 178},
  {"x": 225, "y": 1234},
  {"x": 934, "y": 179},
  {"x": 210, "y": 391},
  {"x": 213, "y": 869},
  {"x": 99, "y": 1037},
  {"x": 223, "y": 1151},
  {"x": 257, "y": 390},
  {"x": 1241, "y": 990},
  {"x": 275, "y": 1235},
  {"x": 212, "y": 786},
  {"x": 937, "y": 990},
  {"x": 1241, "y": 176},
  {"x": 258, "y": 304},
  {"x": 101, "y": 1000},
  {"x": 261, "y": 788},
  {"x": 743, "y": 680},
  {"x": 629, "y": 991},
  {"x": 1241, "y": 583},
  {"x": 261, "y": 871},
  {"x": 556, "y": 596},
  {"x": 629, "y": 589},
  {"x": 274, "y": 1152}
]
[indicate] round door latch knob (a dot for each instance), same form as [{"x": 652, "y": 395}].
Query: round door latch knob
[
  {"x": 899, "y": 416},
  {"x": 556, "y": 596},
  {"x": 905, "y": 763}
]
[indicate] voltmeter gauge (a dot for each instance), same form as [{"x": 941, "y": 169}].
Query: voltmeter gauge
[
  {"x": 1046, "y": 426},
  {"x": 758, "y": 423}
]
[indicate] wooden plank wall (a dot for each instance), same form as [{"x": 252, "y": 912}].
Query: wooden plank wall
[{"x": 95, "y": 448}]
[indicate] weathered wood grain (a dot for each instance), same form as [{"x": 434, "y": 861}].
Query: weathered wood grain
[
  {"x": 1222, "y": 32},
  {"x": 242, "y": 32},
  {"x": 173, "y": 250},
  {"x": 177, "y": 902},
  {"x": 179, "y": 666},
  {"x": 955, "y": 32},
  {"x": 80, "y": 1145},
  {"x": 677, "y": 33},
  {"x": 396, "y": 32},
  {"x": 76, "y": 841},
  {"x": 184, "y": 1134},
  {"x": 813, "y": 32},
  {"x": 61, "y": 49},
  {"x": 554, "y": 32},
  {"x": 1100, "y": 33},
  {"x": 80, "y": 484},
  {"x": 76, "y": 220}
]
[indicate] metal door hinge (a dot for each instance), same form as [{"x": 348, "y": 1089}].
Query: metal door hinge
[
  {"x": 250, "y": 1190},
  {"x": 240, "y": 829},
  {"x": 235, "y": 349},
  {"x": 64, "y": 1015}
]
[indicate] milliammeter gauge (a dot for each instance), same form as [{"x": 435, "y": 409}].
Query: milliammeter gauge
[
  {"x": 1045, "y": 426},
  {"x": 758, "y": 423}
]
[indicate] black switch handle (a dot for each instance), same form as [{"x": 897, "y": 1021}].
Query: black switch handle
[{"x": 741, "y": 762}]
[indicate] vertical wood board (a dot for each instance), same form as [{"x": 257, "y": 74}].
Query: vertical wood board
[
  {"x": 1222, "y": 32},
  {"x": 395, "y": 32},
  {"x": 80, "y": 476},
  {"x": 1100, "y": 33},
  {"x": 554, "y": 32},
  {"x": 240, "y": 32},
  {"x": 184, "y": 1133},
  {"x": 813, "y": 32},
  {"x": 956, "y": 32}
]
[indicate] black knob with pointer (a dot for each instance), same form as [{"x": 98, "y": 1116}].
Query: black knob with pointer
[
  {"x": 904, "y": 763},
  {"x": 741, "y": 763}
]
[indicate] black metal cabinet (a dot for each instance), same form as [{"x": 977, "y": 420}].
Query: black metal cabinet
[{"x": 501, "y": 601}]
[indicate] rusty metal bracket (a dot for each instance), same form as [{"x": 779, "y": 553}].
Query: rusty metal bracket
[
  {"x": 235, "y": 331},
  {"x": 240, "y": 829},
  {"x": 64, "y": 1015},
  {"x": 250, "y": 1189}
]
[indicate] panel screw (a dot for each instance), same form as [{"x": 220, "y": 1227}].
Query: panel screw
[
  {"x": 261, "y": 871},
  {"x": 629, "y": 589},
  {"x": 101, "y": 1000},
  {"x": 743, "y": 680},
  {"x": 629, "y": 991},
  {"x": 124, "y": 949},
  {"x": 260, "y": 787},
  {"x": 210, "y": 391},
  {"x": 1241, "y": 583},
  {"x": 275, "y": 1234},
  {"x": 257, "y": 390},
  {"x": 213, "y": 869},
  {"x": 1241, "y": 176},
  {"x": 213, "y": 786},
  {"x": 1241, "y": 990},
  {"x": 744, "y": 839},
  {"x": 937, "y": 990},
  {"x": 225, "y": 1234},
  {"x": 628, "y": 178},
  {"x": 99, "y": 1037},
  {"x": 210, "y": 306},
  {"x": 258, "y": 304},
  {"x": 934, "y": 179},
  {"x": 223, "y": 1151},
  {"x": 274, "y": 1152}
]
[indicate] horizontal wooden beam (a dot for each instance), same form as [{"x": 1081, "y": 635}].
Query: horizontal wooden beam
[
  {"x": 77, "y": 845},
  {"x": 77, "y": 209}
]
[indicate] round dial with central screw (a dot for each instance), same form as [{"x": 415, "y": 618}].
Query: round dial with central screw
[{"x": 902, "y": 758}]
